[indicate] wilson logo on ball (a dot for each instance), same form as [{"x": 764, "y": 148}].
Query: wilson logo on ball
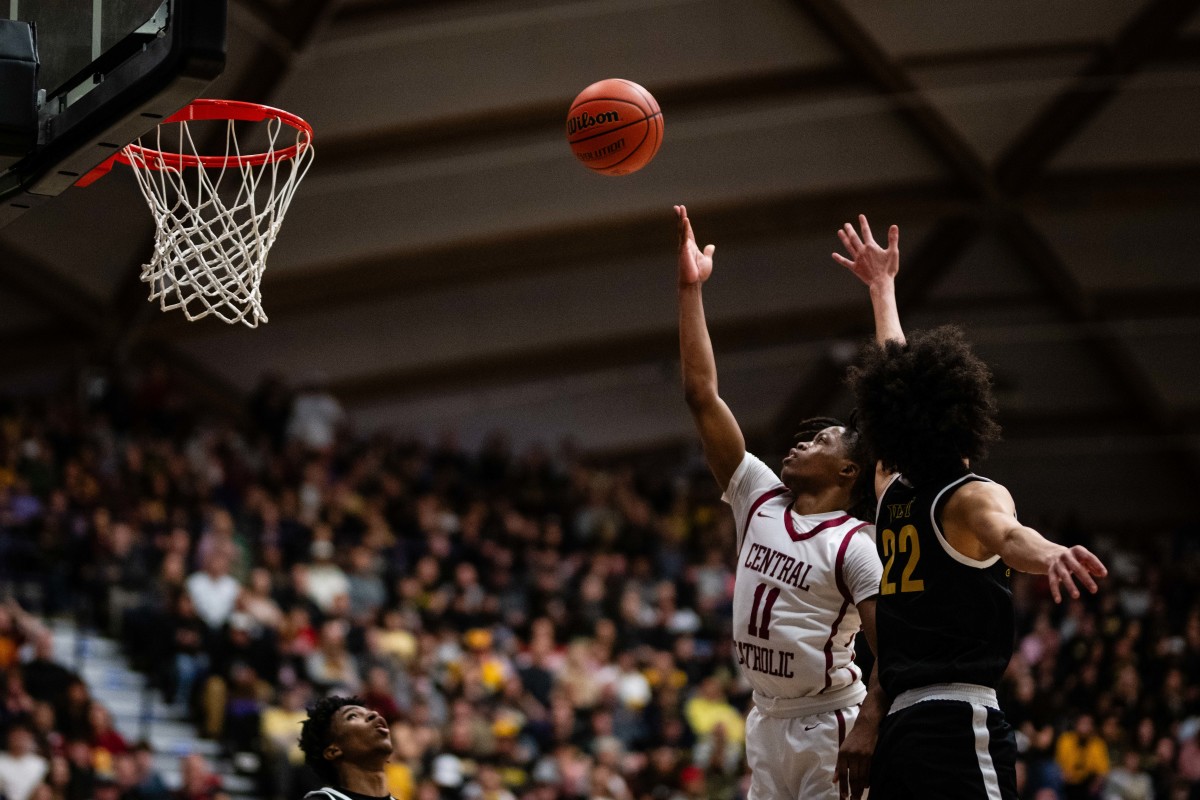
[{"x": 586, "y": 120}]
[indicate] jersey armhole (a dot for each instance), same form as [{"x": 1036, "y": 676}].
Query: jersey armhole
[
  {"x": 935, "y": 513},
  {"x": 886, "y": 488}
]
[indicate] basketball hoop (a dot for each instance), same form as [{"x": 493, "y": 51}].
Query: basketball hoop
[{"x": 211, "y": 246}]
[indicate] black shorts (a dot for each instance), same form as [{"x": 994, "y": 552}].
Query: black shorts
[{"x": 945, "y": 750}]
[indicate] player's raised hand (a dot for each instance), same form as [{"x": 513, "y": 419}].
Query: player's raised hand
[
  {"x": 870, "y": 262},
  {"x": 694, "y": 265},
  {"x": 1074, "y": 564}
]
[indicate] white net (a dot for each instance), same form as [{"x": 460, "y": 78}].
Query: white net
[{"x": 216, "y": 224}]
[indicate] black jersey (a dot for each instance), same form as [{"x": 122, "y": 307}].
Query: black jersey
[
  {"x": 941, "y": 617},
  {"x": 329, "y": 793}
]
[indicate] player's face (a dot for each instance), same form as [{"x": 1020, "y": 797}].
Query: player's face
[
  {"x": 821, "y": 459},
  {"x": 361, "y": 733}
]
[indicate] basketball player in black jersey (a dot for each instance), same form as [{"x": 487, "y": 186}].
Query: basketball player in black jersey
[
  {"x": 949, "y": 540},
  {"x": 347, "y": 745}
]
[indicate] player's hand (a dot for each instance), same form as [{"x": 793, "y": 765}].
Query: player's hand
[
  {"x": 1074, "y": 564},
  {"x": 694, "y": 265},
  {"x": 853, "y": 771},
  {"x": 870, "y": 262}
]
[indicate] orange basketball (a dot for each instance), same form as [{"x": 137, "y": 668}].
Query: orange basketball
[{"x": 614, "y": 127}]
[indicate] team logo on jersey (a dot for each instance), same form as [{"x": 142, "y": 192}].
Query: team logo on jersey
[{"x": 900, "y": 510}]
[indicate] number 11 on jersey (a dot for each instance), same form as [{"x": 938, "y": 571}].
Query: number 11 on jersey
[{"x": 762, "y": 631}]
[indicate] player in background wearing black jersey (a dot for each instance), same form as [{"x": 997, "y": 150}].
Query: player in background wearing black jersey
[
  {"x": 347, "y": 745},
  {"x": 948, "y": 540}
]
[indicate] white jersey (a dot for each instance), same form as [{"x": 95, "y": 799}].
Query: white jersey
[{"x": 799, "y": 580}]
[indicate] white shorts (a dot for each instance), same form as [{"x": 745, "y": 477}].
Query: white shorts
[{"x": 794, "y": 759}]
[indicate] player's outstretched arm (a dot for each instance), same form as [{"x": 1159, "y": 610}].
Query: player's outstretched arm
[
  {"x": 984, "y": 512},
  {"x": 877, "y": 268},
  {"x": 724, "y": 445}
]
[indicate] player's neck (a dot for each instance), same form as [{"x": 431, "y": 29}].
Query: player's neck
[
  {"x": 819, "y": 501},
  {"x": 365, "y": 779}
]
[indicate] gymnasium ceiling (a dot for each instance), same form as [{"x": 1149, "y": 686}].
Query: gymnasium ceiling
[{"x": 447, "y": 263}]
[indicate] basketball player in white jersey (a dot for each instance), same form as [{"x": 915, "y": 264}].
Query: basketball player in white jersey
[
  {"x": 347, "y": 745},
  {"x": 807, "y": 571}
]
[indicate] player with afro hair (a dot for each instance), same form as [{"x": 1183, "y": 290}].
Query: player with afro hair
[
  {"x": 925, "y": 405},
  {"x": 949, "y": 539}
]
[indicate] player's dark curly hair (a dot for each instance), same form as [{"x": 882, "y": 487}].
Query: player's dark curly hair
[
  {"x": 925, "y": 405},
  {"x": 862, "y": 494},
  {"x": 316, "y": 733}
]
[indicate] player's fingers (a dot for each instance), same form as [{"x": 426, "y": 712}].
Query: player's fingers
[
  {"x": 1063, "y": 574},
  {"x": 709, "y": 249},
  {"x": 853, "y": 236},
  {"x": 1084, "y": 576},
  {"x": 893, "y": 237},
  {"x": 687, "y": 229},
  {"x": 858, "y": 782},
  {"x": 1073, "y": 568},
  {"x": 841, "y": 259},
  {"x": 1089, "y": 560},
  {"x": 846, "y": 243},
  {"x": 1054, "y": 590},
  {"x": 866, "y": 228}
]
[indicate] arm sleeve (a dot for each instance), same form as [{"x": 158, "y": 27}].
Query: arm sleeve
[
  {"x": 750, "y": 480},
  {"x": 861, "y": 568}
]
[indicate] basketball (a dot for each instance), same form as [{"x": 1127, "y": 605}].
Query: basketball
[{"x": 614, "y": 127}]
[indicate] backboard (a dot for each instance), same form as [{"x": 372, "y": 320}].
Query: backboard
[{"x": 108, "y": 71}]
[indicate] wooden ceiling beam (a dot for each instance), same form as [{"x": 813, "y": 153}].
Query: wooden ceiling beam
[
  {"x": 1139, "y": 41},
  {"x": 1022, "y": 162}
]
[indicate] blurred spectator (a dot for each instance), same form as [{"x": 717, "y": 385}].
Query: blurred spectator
[
  {"x": 1128, "y": 781},
  {"x": 327, "y": 583},
  {"x": 331, "y": 667},
  {"x": 104, "y": 736},
  {"x": 1189, "y": 757},
  {"x": 21, "y": 768},
  {"x": 150, "y": 785},
  {"x": 316, "y": 415},
  {"x": 1083, "y": 758},
  {"x": 280, "y": 723},
  {"x": 188, "y": 635},
  {"x": 198, "y": 780},
  {"x": 82, "y": 781},
  {"x": 709, "y": 709},
  {"x": 45, "y": 678},
  {"x": 213, "y": 591}
]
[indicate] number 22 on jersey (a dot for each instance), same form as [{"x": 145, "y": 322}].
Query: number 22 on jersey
[{"x": 907, "y": 544}]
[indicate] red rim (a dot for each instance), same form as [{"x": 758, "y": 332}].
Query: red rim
[{"x": 206, "y": 109}]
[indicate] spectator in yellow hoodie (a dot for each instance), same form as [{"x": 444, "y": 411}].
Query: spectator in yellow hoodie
[{"x": 1082, "y": 756}]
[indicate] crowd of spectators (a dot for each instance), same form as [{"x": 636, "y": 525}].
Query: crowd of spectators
[{"x": 533, "y": 624}]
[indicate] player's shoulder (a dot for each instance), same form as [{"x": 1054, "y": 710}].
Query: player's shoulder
[
  {"x": 976, "y": 497},
  {"x": 752, "y": 478},
  {"x": 861, "y": 535},
  {"x": 977, "y": 488}
]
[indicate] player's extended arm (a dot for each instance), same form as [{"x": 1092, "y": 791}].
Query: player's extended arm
[
  {"x": 983, "y": 514},
  {"x": 854, "y": 756},
  {"x": 724, "y": 445},
  {"x": 877, "y": 268}
]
